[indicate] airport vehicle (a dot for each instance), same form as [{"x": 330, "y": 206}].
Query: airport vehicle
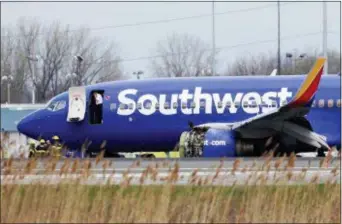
[{"x": 199, "y": 117}]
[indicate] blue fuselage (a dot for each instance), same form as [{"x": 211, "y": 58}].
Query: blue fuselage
[{"x": 141, "y": 126}]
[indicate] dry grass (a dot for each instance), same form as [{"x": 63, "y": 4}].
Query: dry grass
[
  {"x": 107, "y": 204},
  {"x": 75, "y": 203}
]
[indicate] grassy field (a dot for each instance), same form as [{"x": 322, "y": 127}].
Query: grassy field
[
  {"x": 75, "y": 203},
  {"x": 169, "y": 204}
]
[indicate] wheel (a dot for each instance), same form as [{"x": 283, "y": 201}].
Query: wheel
[{"x": 320, "y": 152}]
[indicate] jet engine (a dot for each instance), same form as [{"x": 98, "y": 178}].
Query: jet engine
[{"x": 213, "y": 143}]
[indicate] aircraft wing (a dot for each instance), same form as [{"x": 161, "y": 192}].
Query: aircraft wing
[{"x": 276, "y": 119}]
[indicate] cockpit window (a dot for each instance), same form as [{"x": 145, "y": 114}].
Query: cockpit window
[
  {"x": 52, "y": 105},
  {"x": 57, "y": 105},
  {"x": 60, "y": 105}
]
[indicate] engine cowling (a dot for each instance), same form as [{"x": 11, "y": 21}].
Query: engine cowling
[{"x": 213, "y": 143}]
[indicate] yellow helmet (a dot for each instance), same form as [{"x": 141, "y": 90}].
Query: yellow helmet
[
  {"x": 42, "y": 141},
  {"x": 31, "y": 142},
  {"x": 55, "y": 137}
]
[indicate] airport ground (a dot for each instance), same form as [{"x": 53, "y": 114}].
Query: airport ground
[{"x": 171, "y": 191}]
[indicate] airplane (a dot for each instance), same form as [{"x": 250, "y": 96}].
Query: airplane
[{"x": 233, "y": 116}]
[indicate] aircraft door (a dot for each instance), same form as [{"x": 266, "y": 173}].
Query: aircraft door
[
  {"x": 96, "y": 107},
  {"x": 77, "y": 104}
]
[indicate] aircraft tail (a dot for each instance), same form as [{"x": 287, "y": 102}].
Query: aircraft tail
[{"x": 308, "y": 89}]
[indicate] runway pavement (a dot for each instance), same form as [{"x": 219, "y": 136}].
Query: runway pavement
[{"x": 227, "y": 172}]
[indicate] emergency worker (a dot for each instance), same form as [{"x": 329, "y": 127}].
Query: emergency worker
[
  {"x": 56, "y": 146},
  {"x": 32, "y": 149},
  {"x": 42, "y": 148}
]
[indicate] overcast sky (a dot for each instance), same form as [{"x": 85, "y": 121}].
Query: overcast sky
[{"x": 301, "y": 25}]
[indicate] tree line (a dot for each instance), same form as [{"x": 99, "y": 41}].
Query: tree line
[{"x": 57, "y": 68}]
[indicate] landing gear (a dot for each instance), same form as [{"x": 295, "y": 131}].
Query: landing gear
[{"x": 320, "y": 152}]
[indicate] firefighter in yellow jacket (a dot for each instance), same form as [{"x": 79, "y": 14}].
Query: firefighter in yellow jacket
[
  {"x": 42, "y": 148},
  {"x": 56, "y": 146},
  {"x": 32, "y": 149}
]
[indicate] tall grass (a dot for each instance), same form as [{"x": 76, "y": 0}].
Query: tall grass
[{"x": 168, "y": 203}]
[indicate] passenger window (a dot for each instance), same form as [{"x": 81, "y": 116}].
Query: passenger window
[
  {"x": 139, "y": 106},
  {"x": 60, "y": 105},
  {"x": 157, "y": 106},
  {"x": 314, "y": 103},
  {"x": 338, "y": 103},
  {"x": 228, "y": 105},
  {"x": 330, "y": 103},
  {"x": 219, "y": 105},
  {"x": 184, "y": 105},
  {"x": 167, "y": 105},
  {"x": 122, "y": 106},
  {"x": 245, "y": 104},
  {"x": 130, "y": 106},
  {"x": 321, "y": 103},
  {"x": 202, "y": 104},
  {"x": 193, "y": 104},
  {"x": 175, "y": 105}
]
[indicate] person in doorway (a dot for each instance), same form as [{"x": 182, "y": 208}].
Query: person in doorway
[{"x": 98, "y": 107}]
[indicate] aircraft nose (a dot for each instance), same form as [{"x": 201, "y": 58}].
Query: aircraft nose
[
  {"x": 26, "y": 126},
  {"x": 23, "y": 125}
]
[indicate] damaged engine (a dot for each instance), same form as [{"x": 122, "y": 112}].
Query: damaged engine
[{"x": 214, "y": 143}]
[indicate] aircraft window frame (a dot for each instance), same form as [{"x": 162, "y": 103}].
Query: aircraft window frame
[
  {"x": 130, "y": 106},
  {"x": 139, "y": 106},
  {"x": 59, "y": 103},
  {"x": 321, "y": 103},
  {"x": 166, "y": 105},
  {"x": 51, "y": 106},
  {"x": 148, "y": 105},
  {"x": 122, "y": 106},
  {"x": 253, "y": 104},
  {"x": 330, "y": 103}
]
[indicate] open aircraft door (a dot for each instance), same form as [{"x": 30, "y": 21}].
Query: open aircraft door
[{"x": 77, "y": 104}]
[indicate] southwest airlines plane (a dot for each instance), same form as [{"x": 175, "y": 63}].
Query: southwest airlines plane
[{"x": 199, "y": 117}]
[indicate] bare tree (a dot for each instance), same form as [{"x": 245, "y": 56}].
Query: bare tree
[
  {"x": 263, "y": 64},
  {"x": 56, "y": 45},
  {"x": 12, "y": 66},
  {"x": 182, "y": 55}
]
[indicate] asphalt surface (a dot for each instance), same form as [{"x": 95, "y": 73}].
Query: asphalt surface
[
  {"x": 158, "y": 171},
  {"x": 138, "y": 165}
]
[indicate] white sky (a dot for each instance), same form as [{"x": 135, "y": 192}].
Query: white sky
[{"x": 297, "y": 19}]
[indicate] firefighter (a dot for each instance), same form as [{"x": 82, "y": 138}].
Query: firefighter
[
  {"x": 32, "y": 149},
  {"x": 42, "y": 148},
  {"x": 56, "y": 146}
]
